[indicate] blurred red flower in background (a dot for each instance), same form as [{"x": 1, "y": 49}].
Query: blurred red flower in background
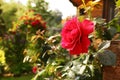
[
  {"x": 35, "y": 23},
  {"x": 34, "y": 69},
  {"x": 35, "y": 20}
]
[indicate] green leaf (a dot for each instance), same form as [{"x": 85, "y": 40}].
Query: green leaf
[
  {"x": 118, "y": 28},
  {"x": 2, "y": 57},
  {"x": 107, "y": 58},
  {"x": 118, "y": 3}
]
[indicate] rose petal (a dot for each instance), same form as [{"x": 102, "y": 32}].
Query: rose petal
[
  {"x": 87, "y": 27},
  {"x": 85, "y": 43},
  {"x": 77, "y": 49},
  {"x": 70, "y": 33}
]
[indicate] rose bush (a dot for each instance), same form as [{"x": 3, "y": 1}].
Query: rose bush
[
  {"x": 29, "y": 22},
  {"x": 75, "y": 32},
  {"x": 75, "y": 35}
]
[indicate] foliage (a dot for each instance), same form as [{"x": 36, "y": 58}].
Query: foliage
[
  {"x": 118, "y": 3},
  {"x": 2, "y": 57},
  {"x": 2, "y": 60},
  {"x": 22, "y": 36},
  {"x": 53, "y": 18},
  {"x": 114, "y": 26},
  {"x": 85, "y": 66},
  {"x": 11, "y": 12},
  {"x": 23, "y": 41},
  {"x": 30, "y": 29},
  {"x": 30, "y": 45},
  {"x": 29, "y": 22},
  {"x": 57, "y": 59}
]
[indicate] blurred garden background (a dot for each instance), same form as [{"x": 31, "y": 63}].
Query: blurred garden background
[
  {"x": 15, "y": 44},
  {"x": 30, "y": 41}
]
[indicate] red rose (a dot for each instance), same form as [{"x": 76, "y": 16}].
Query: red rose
[
  {"x": 75, "y": 35},
  {"x": 34, "y": 69}
]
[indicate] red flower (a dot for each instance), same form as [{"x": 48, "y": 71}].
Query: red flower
[
  {"x": 35, "y": 23},
  {"x": 34, "y": 69},
  {"x": 75, "y": 35}
]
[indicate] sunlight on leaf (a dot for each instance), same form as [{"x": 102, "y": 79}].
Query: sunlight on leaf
[
  {"x": 2, "y": 57},
  {"x": 118, "y": 3}
]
